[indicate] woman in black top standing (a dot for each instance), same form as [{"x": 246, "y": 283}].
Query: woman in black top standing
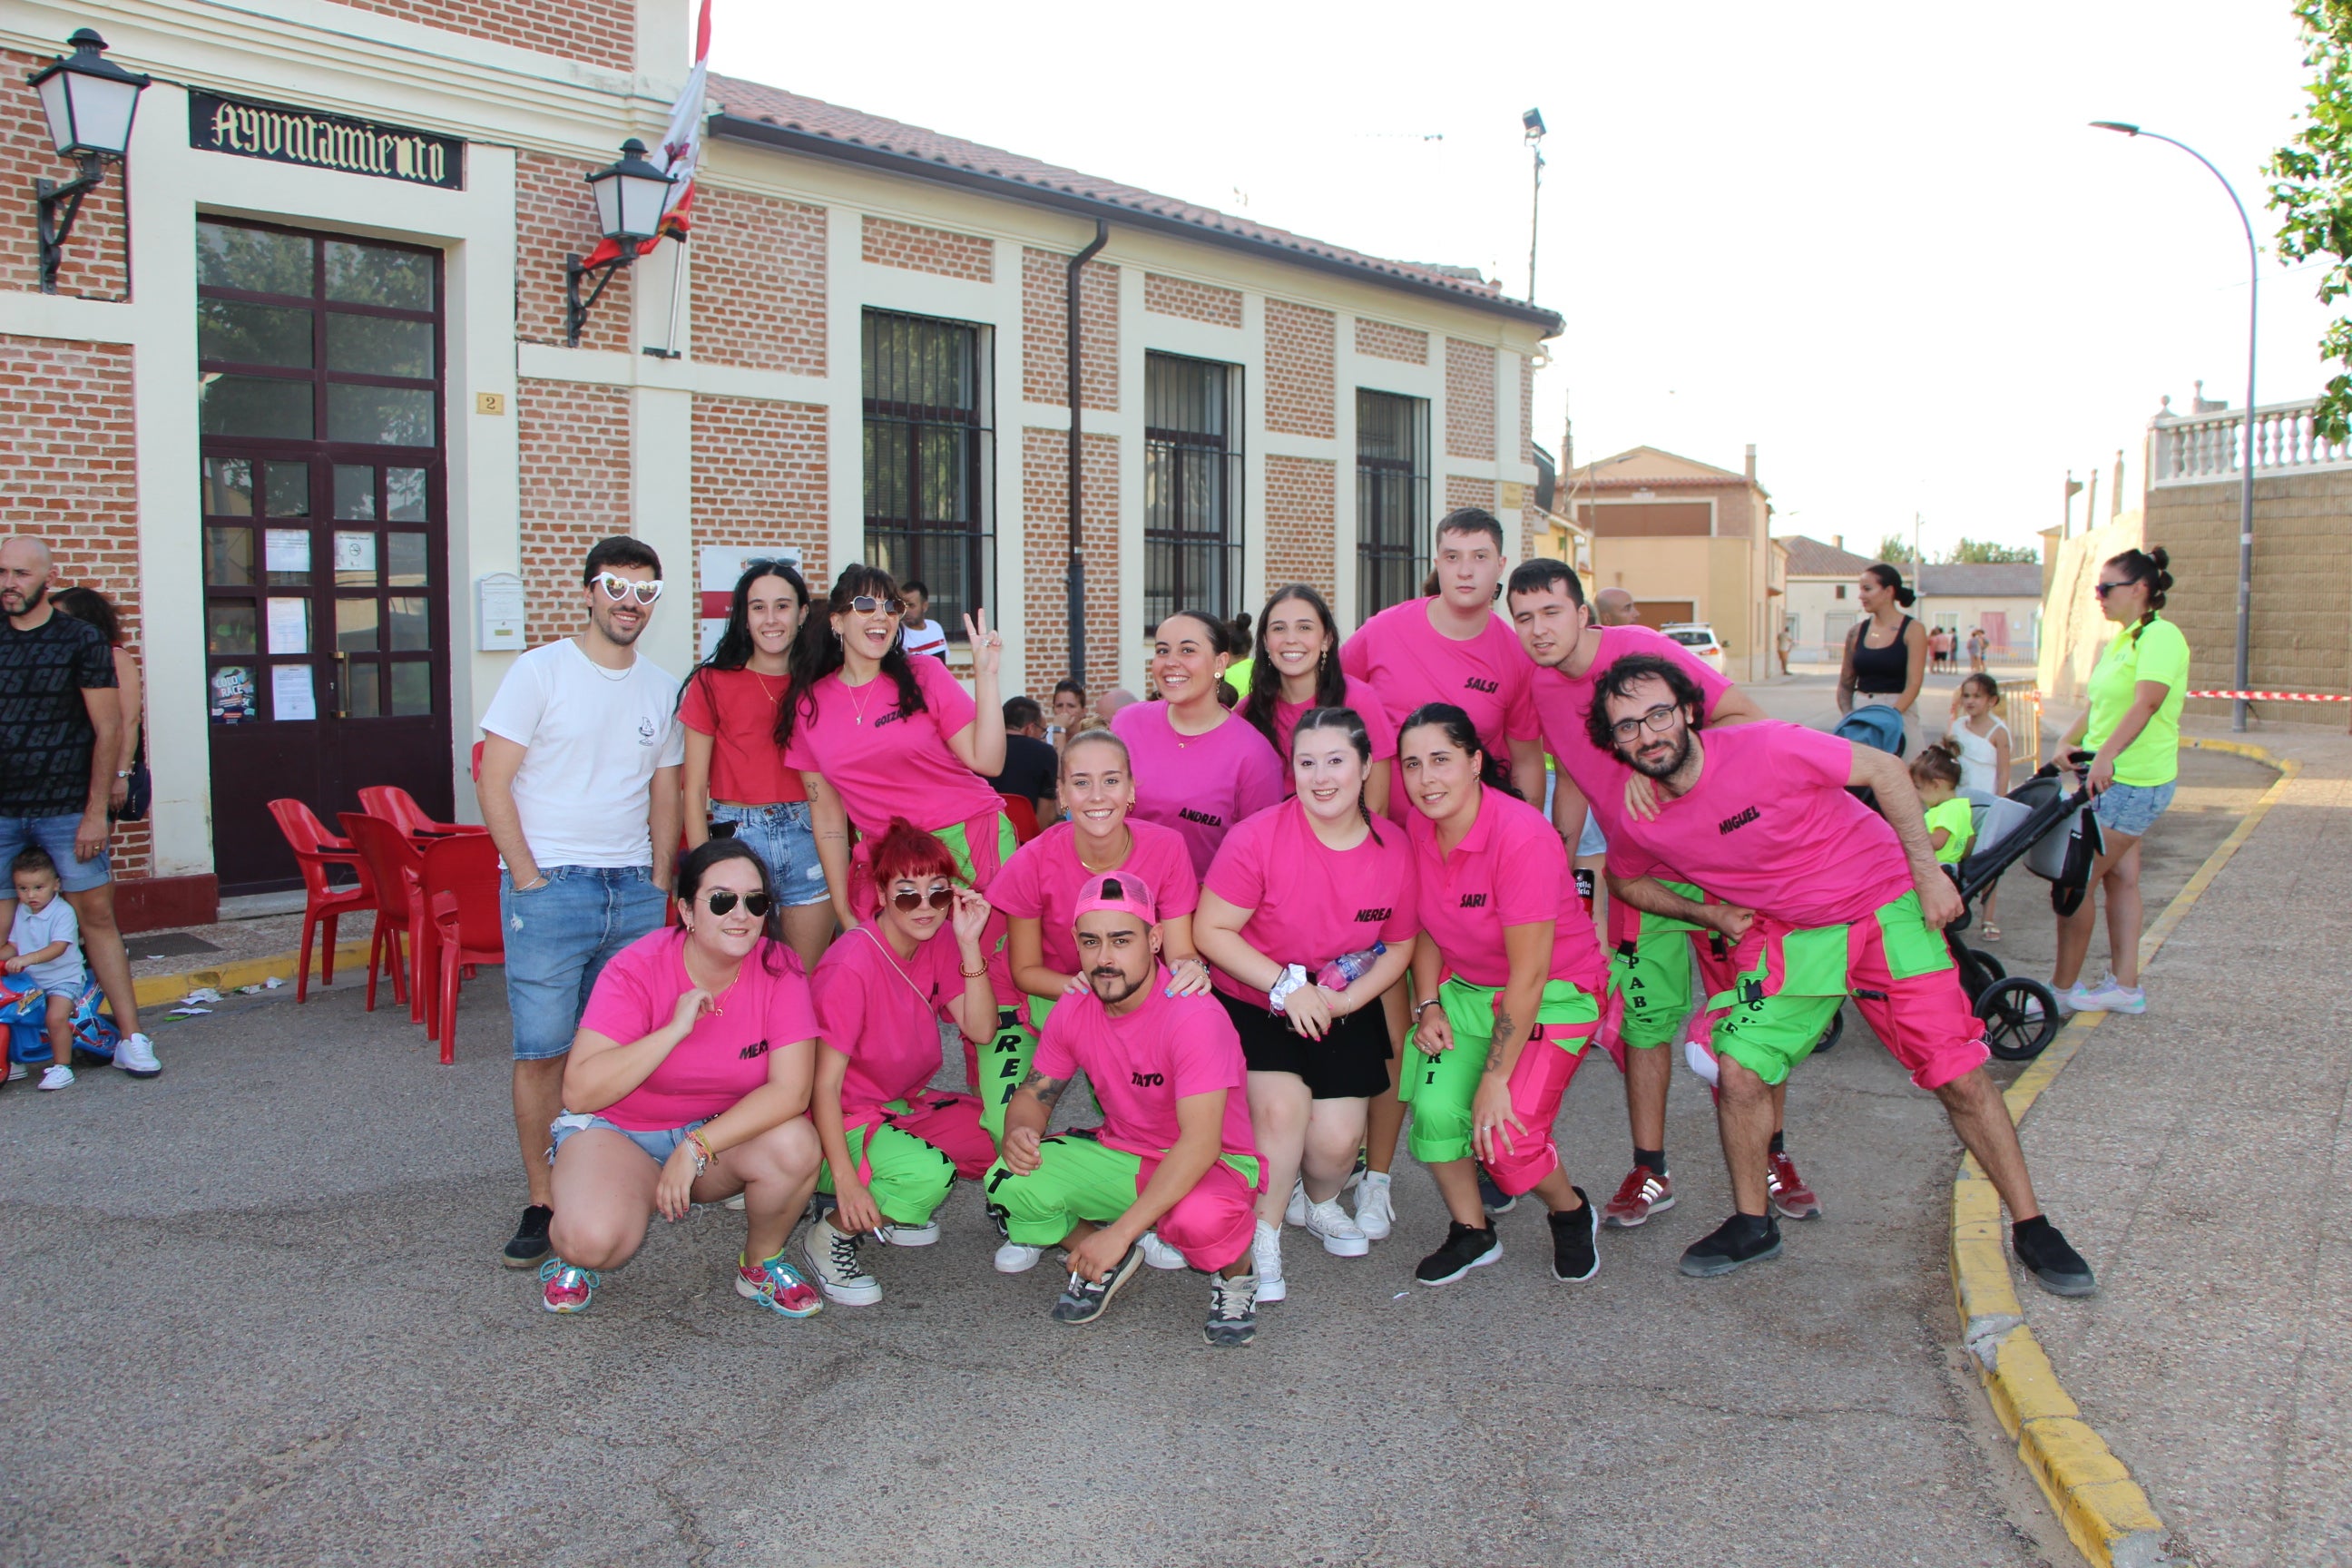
[{"x": 1886, "y": 652}]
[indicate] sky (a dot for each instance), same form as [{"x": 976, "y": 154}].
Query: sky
[{"x": 1878, "y": 241}]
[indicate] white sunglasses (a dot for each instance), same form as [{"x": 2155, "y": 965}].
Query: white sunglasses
[{"x": 617, "y": 588}]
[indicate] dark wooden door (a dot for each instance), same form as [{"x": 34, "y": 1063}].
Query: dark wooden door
[{"x": 326, "y": 541}]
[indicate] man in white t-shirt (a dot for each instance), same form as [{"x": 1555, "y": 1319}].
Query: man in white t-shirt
[
  {"x": 579, "y": 788},
  {"x": 918, "y": 633}
]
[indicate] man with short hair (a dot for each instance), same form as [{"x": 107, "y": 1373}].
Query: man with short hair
[
  {"x": 580, "y": 790},
  {"x": 1174, "y": 1153},
  {"x": 60, "y": 722},
  {"x": 1821, "y": 898},
  {"x": 918, "y": 633},
  {"x": 1613, "y": 608},
  {"x": 1107, "y": 705},
  {"x": 1031, "y": 767}
]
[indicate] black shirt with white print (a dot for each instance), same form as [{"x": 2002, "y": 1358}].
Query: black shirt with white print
[{"x": 46, "y": 735}]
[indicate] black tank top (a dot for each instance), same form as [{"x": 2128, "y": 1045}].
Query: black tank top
[{"x": 1881, "y": 671}]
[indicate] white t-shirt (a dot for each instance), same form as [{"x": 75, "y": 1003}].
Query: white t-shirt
[
  {"x": 593, "y": 737},
  {"x": 32, "y": 932},
  {"x": 924, "y": 637}
]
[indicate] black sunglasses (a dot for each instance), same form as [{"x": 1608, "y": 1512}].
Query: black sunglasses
[{"x": 719, "y": 901}]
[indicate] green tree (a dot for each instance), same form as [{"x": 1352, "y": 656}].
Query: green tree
[
  {"x": 2313, "y": 187},
  {"x": 1985, "y": 551},
  {"x": 1894, "y": 547}
]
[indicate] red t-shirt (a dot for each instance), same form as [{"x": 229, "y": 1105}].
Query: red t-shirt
[
  {"x": 1562, "y": 701},
  {"x": 1407, "y": 662},
  {"x": 884, "y": 1014},
  {"x": 737, "y": 709},
  {"x": 1041, "y": 882},
  {"x": 1510, "y": 870},
  {"x": 1170, "y": 1048},
  {"x": 883, "y": 764},
  {"x": 1309, "y": 903},
  {"x": 725, "y": 1057}
]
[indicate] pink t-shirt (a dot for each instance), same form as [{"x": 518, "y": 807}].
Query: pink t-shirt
[
  {"x": 725, "y": 1057},
  {"x": 1041, "y": 882},
  {"x": 883, "y": 765},
  {"x": 1198, "y": 785},
  {"x": 884, "y": 1014},
  {"x": 1170, "y": 1048},
  {"x": 1407, "y": 662},
  {"x": 1309, "y": 903},
  {"x": 1771, "y": 828},
  {"x": 1510, "y": 870},
  {"x": 1562, "y": 701},
  {"x": 1379, "y": 728}
]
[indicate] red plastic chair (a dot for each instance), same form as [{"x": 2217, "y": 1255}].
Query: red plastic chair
[
  {"x": 460, "y": 890},
  {"x": 399, "y": 870},
  {"x": 324, "y": 903},
  {"x": 1023, "y": 812},
  {"x": 397, "y": 806}
]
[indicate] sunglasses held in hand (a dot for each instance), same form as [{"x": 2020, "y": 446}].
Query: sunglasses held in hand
[{"x": 909, "y": 900}]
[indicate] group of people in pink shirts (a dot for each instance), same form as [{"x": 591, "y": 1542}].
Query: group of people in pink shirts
[{"x": 1268, "y": 926}]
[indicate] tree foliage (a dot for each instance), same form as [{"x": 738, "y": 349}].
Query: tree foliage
[
  {"x": 2312, "y": 186},
  {"x": 1894, "y": 548},
  {"x": 1986, "y": 552}
]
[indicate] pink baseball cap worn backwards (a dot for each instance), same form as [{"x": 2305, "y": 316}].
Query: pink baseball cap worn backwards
[{"x": 1120, "y": 891}]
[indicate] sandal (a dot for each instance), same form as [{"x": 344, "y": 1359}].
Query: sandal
[{"x": 1991, "y": 932}]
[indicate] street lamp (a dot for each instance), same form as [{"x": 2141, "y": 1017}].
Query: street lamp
[
  {"x": 88, "y": 101},
  {"x": 630, "y": 196},
  {"x": 2246, "y": 459},
  {"x": 1532, "y": 124}
]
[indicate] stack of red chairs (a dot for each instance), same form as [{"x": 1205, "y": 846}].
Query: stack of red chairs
[
  {"x": 437, "y": 891},
  {"x": 324, "y": 903}
]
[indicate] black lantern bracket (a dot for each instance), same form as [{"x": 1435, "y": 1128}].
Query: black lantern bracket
[
  {"x": 575, "y": 309},
  {"x": 60, "y": 204}
]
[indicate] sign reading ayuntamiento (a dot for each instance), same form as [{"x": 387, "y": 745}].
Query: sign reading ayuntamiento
[{"x": 286, "y": 135}]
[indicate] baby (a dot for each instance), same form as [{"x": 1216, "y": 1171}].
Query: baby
[
  {"x": 44, "y": 945},
  {"x": 1936, "y": 773}
]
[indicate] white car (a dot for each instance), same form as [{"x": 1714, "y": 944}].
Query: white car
[{"x": 1700, "y": 638}]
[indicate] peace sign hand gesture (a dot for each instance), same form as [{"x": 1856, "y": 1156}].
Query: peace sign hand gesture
[{"x": 987, "y": 647}]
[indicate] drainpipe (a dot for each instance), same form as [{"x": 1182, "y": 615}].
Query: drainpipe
[{"x": 1076, "y": 586}]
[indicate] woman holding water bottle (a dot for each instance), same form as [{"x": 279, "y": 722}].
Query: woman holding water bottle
[{"x": 1307, "y": 917}]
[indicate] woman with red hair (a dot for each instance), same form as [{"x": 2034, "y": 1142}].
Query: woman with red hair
[{"x": 893, "y": 1146}]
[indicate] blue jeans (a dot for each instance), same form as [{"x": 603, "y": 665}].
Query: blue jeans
[
  {"x": 55, "y": 835},
  {"x": 559, "y": 939},
  {"x": 783, "y": 837}
]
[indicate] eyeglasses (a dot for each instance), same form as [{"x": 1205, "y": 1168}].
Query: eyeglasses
[
  {"x": 867, "y": 603},
  {"x": 1659, "y": 720},
  {"x": 719, "y": 902},
  {"x": 617, "y": 588},
  {"x": 909, "y": 900}
]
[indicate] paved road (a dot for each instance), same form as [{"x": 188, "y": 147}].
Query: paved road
[{"x": 259, "y": 1322}]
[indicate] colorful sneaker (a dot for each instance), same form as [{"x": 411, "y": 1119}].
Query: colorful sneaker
[
  {"x": 1233, "y": 1311},
  {"x": 2109, "y": 997},
  {"x": 1083, "y": 1300},
  {"x": 1575, "y": 1241},
  {"x": 1265, "y": 1254},
  {"x": 1791, "y": 1196},
  {"x": 2076, "y": 998},
  {"x": 1465, "y": 1249},
  {"x": 1016, "y": 1257},
  {"x": 59, "y": 1076},
  {"x": 1742, "y": 1239},
  {"x": 1375, "y": 1207},
  {"x": 1160, "y": 1255},
  {"x": 777, "y": 1286},
  {"x": 833, "y": 1259},
  {"x": 563, "y": 1289},
  {"x": 1295, "y": 1212},
  {"x": 1641, "y": 1194},
  {"x": 135, "y": 1054},
  {"x": 1328, "y": 1222},
  {"x": 924, "y": 1235}
]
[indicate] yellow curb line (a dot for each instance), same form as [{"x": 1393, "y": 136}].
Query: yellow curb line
[
  {"x": 154, "y": 990},
  {"x": 2106, "y": 1513}
]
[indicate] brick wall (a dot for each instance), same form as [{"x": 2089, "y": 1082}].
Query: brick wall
[
  {"x": 759, "y": 478},
  {"x": 918, "y": 249},
  {"x": 1046, "y": 503},
  {"x": 1469, "y": 400},
  {"x": 95, "y": 262},
  {"x": 1301, "y": 518},
  {"x": 1194, "y": 301},
  {"x": 1044, "y": 331},
  {"x": 1460, "y": 490},
  {"x": 574, "y": 441},
  {"x": 2300, "y": 629},
  {"x": 69, "y": 466},
  {"x": 1527, "y": 409},
  {"x": 759, "y": 282},
  {"x": 555, "y": 216},
  {"x": 1300, "y": 379},
  {"x": 1381, "y": 341},
  {"x": 601, "y": 32}
]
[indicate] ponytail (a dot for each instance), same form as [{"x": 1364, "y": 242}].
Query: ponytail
[
  {"x": 1494, "y": 772},
  {"x": 1888, "y": 577},
  {"x": 2151, "y": 566},
  {"x": 1939, "y": 761}
]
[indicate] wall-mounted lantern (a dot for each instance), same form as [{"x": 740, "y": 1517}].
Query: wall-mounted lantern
[
  {"x": 89, "y": 101},
  {"x": 630, "y": 196}
]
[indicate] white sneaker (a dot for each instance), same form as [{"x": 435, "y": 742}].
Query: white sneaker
[
  {"x": 135, "y": 1054},
  {"x": 2109, "y": 997},
  {"x": 735, "y": 1203},
  {"x": 1295, "y": 1212},
  {"x": 59, "y": 1076},
  {"x": 1341, "y": 1237},
  {"x": 17, "y": 1073},
  {"x": 1012, "y": 1257},
  {"x": 1158, "y": 1254},
  {"x": 922, "y": 1234},
  {"x": 1265, "y": 1250},
  {"x": 1375, "y": 1212},
  {"x": 2076, "y": 998},
  {"x": 834, "y": 1264}
]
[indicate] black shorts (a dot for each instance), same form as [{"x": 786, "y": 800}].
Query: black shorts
[{"x": 1349, "y": 1063}]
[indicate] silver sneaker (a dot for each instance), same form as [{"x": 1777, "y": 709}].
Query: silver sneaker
[{"x": 836, "y": 1267}]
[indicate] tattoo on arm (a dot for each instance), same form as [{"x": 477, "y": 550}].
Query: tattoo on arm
[
  {"x": 1506, "y": 1028},
  {"x": 1047, "y": 1089}
]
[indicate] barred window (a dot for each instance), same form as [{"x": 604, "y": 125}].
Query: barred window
[
  {"x": 1392, "y": 521},
  {"x": 1191, "y": 486},
  {"x": 930, "y": 454}
]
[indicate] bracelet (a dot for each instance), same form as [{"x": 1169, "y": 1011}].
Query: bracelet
[
  {"x": 1421, "y": 1007},
  {"x": 971, "y": 974},
  {"x": 703, "y": 1153},
  {"x": 534, "y": 887}
]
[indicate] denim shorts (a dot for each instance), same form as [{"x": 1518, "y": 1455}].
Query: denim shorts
[
  {"x": 659, "y": 1145},
  {"x": 785, "y": 838},
  {"x": 55, "y": 835},
  {"x": 559, "y": 939},
  {"x": 2133, "y": 808}
]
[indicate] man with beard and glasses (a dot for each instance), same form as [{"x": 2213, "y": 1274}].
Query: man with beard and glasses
[
  {"x": 1823, "y": 898},
  {"x": 60, "y": 718},
  {"x": 580, "y": 789},
  {"x": 1174, "y": 1153}
]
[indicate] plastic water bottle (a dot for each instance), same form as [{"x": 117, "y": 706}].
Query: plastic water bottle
[{"x": 1349, "y": 967}]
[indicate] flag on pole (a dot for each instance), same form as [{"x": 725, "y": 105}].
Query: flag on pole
[{"x": 681, "y": 151}]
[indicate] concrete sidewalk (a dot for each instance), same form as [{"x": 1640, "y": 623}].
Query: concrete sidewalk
[{"x": 2200, "y": 1156}]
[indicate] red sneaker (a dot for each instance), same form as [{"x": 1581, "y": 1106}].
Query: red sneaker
[
  {"x": 1789, "y": 1195},
  {"x": 1639, "y": 1195}
]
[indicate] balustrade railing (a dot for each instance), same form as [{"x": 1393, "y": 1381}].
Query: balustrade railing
[{"x": 2200, "y": 449}]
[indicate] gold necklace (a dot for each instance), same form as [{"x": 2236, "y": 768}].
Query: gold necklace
[
  {"x": 858, "y": 714},
  {"x": 773, "y": 697},
  {"x": 1125, "y": 848}
]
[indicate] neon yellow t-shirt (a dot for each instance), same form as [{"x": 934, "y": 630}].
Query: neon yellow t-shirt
[
  {"x": 2155, "y": 651},
  {"x": 1237, "y": 675},
  {"x": 1957, "y": 819}
]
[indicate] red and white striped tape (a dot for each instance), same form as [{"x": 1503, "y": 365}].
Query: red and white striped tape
[{"x": 2273, "y": 696}]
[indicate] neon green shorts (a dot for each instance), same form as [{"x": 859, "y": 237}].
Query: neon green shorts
[
  {"x": 1651, "y": 962},
  {"x": 1079, "y": 1178},
  {"x": 1440, "y": 1089}
]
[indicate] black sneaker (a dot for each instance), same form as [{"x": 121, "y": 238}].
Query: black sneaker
[
  {"x": 1574, "y": 1254},
  {"x": 1495, "y": 1199},
  {"x": 1083, "y": 1300},
  {"x": 1742, "y": 1239},
  {"x": 530, "y": 1243},
  {"x": 1465, "y": 1249},
  {"x": 2047, "y": 1256},
  {"x": 1233, "y": 1310}
]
